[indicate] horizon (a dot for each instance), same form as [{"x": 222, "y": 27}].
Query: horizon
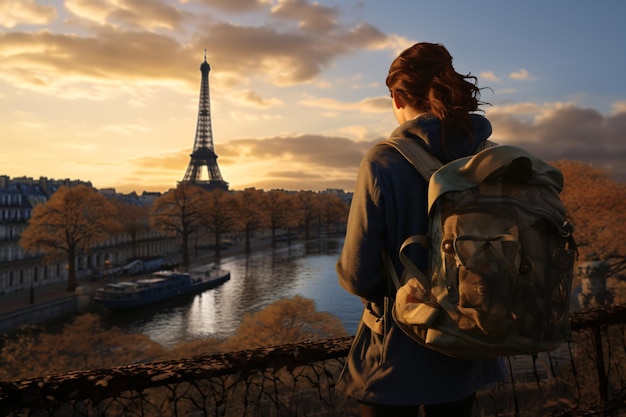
[
  {"x": 140, "y": 192},
  {"x": 109, "y": 92}
]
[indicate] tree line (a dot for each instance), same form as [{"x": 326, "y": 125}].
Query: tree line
[
  {"x": 596, "y": 207},
  {"x": 76, "y": 219}
]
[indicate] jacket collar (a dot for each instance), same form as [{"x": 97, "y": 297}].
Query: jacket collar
[{"x": 426, "y": 129}]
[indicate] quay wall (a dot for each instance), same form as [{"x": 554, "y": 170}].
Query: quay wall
[{"x": 79, "y": 302}]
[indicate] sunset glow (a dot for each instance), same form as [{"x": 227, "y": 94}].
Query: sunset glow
[{"x": 107, "y": 91}]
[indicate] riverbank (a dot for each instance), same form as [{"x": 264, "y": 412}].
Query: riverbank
[{"x": 52, "y": 301}]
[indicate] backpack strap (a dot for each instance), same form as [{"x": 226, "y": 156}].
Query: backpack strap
[
  {"x": 426, "y": 164},
  {"x": 408, "y": 263},
  {"x": 423, "y": 161}
]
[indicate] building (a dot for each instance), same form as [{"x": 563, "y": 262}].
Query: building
[{"x": 21, "y": 270}]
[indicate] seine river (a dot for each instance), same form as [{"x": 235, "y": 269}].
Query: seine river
[{"x": 257, "y": 280}]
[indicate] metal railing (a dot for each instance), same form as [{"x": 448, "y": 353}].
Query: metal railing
[{"x": 586, "y": 377}]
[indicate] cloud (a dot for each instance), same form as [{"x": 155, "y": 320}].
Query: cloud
[
  {"x": 489, "y": 76},
  {"x": 316, "y": 151},
  {"x": 233, "y": 6},
  {"x": 127, "y": 129},
  {"x": 552, "y": 131},
  {"x": 142, "y": 48},
  {"x": 293, "y": 175},
  {"x": 122, "y": 44},
  {"x": 249, "y": 117},
  {"x": 167, "y": 161},
  {"x": 558, "y": 131},
  {"x": 313, "y": 162},
  {"x": 149, "y": 14},
  {"x": 282, "y": 57},
  {"x": 311, "y": 16},
  {"x": 619, "y": 107},
  {"x": 77, "y": 147},
  {"x": 15, "y": 12},
  {"x": 250, "y": 98},
  {"x": 397, "y": 44},
  {"x": 368, "y": 105},
  {"x": 522, "y": 74},
  {"x": 54, "y": 62},
  {"x": 359, "y": 132}
]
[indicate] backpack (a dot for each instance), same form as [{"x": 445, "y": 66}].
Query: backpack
[{"x": 501, "y": 256}]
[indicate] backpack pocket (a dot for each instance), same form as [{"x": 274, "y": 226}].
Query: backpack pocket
[{"x": 483, "y": 257}]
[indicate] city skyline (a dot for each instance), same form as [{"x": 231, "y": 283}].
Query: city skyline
[{"x": 108, "y": 91}]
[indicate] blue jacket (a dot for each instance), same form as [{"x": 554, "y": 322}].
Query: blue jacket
[{"x": 389, "y": 205}]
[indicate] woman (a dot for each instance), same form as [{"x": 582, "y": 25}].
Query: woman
[{"x": 389, "y": 373}]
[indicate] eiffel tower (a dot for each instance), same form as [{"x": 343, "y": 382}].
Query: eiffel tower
[{"x": 203, "y": 154}]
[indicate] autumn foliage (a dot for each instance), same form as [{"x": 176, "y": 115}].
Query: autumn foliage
[
  {"x": 73, "y": 221},
  {"x": 82, "y": 344},
  {"x": 189, "y": 209},
  {"x": 86, "y": 344},
  {"x": 288, "y": 320},
  {"x": 596, "y": 207},
  {"x": 179, "y": 212}
]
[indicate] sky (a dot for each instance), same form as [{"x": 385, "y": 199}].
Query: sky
[{"x": 107, "y": 91}]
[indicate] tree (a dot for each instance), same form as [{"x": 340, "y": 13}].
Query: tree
[
  {"x": 277, "y": 206},
  {"x": 81, "y": 345},
  {"x": 71, "y": 222},
  {"x": 596, "y": 206},
  {"x": 293, "y": 215},
  {"x": 288, "y": 320},
  {"x": 219, "y": 215},
  {"x": 190, "y": 348},
  {"x": 134, "y": 219},
  {"x": 179, "y": 213},
  {"x": 310, "y": 210},
  {"x": 334, "y": 211},
  {"x": 249, "y": 213}
]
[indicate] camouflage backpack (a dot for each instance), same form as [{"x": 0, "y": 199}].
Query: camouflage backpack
[{"x": 501, "y": 256}]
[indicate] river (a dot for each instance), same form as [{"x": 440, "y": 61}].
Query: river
[{"x": 257, "y": 280}]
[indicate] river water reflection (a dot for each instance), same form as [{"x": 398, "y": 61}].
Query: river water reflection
[{"x": 257, "y": 280}]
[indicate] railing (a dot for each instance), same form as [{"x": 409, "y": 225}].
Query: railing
[{"x": 586, "y": 377}]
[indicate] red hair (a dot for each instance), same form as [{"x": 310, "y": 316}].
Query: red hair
[{"x": 424, "y": 77}]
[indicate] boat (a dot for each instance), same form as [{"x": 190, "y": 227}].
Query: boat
[{"x": 160, "y": 286}]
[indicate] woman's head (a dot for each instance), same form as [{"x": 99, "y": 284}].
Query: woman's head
[{"x": 423, "y": 76}]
